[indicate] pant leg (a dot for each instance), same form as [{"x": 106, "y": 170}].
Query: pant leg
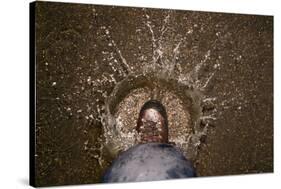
[{"x": 148, "y": 162}]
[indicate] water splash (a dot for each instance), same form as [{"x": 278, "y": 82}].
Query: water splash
[{"x": 190, "y": 112}]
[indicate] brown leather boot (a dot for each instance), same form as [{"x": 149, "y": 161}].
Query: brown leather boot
[{"x": 152, "y": 123}]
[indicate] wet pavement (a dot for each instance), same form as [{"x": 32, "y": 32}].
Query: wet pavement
[{"x": 97, "y": 65}]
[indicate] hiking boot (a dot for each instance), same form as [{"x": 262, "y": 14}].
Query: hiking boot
[{"x": 152, "y": 124}]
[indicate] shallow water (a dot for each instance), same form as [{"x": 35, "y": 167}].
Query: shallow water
[{"x": 96, "y": 66}]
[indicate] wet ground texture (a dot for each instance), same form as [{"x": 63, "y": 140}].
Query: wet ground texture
[{"x": 97, "y": 65}]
